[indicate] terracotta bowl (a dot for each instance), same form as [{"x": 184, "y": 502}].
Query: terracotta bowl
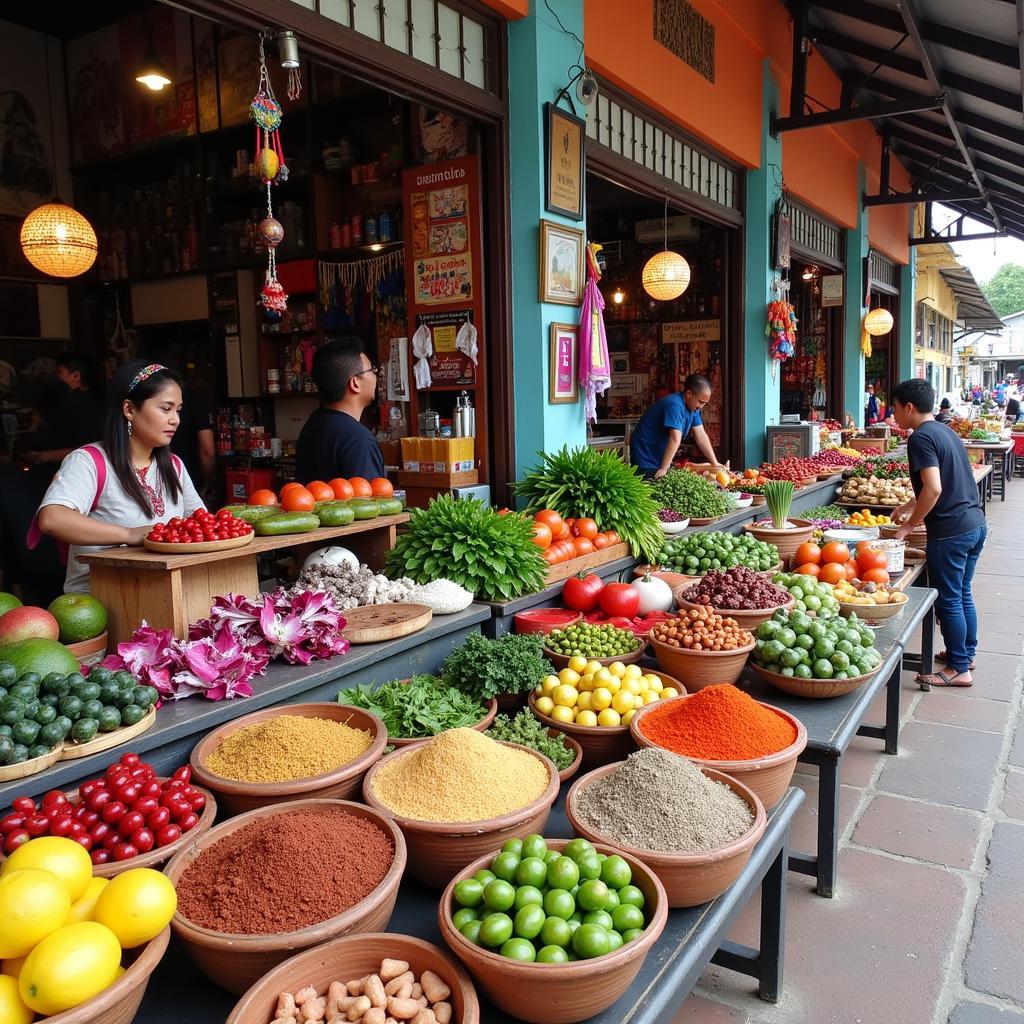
[
  {"x": 510, "y": 703},
  {"x": 819, "y": 689},
  {"x": 543, "y": 620},
  {"x": 120, "y": 1001},
  {"x": 673, "y": 579},
  {"x": 747, "y": 618},
  {"x": 561, "y": 661},
  {"x": 689, "y": 878},
  {"x": 338, "y": 784},
  {"x": 558, "y": 993},
  {"x": 598, "y": 744},
  {"x": 567, "y": 773},
  {"x": 237, "y": 961},
  {"x": 787, "y": 541},
  {"x": 698, "y": 669},
  {"x": 351, "y": 957},
  {"x": 493, "y": 706},
  {"x": 768, "y": 777},
  {"x": 439, "y": 849},
  {"x": 90, "y": 652},
  {"x": 871, "y": 613}
]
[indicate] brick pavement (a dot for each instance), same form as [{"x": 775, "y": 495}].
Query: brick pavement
[{"x": 927, "y": 926}]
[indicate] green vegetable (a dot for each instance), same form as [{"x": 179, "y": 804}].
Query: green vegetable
[
  {"x": 525, "y": 729},
  {"x": 582, "y": 482},
  {"x": 84, "y": 730},
  {"x": 698, "y": 553},
  {"x": 825, "y": 512},
  {"x": 793, "y": 643},
  {"x": 286, "y": 522},
  {"x": 252, "y": 513},
  {"x": 334, "y": 513},
  {"x": 690, "y": 495},
  {"x": 592, "y": 641},
  {"x": 423, "y": 707},
  {"x": 491, "y": 555},
  {"x": 483, "y": 668},
  {"x": 778, "y": 496}
]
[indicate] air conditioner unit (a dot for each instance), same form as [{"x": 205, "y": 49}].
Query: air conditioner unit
[{"x": 680, "y": 229}]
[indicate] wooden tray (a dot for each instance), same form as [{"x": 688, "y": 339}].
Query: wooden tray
[
  {"x": 563, "y": 570},
  {"x": 706, "y": 520},
  {"x": 375, "y": 623},
  {"x": 12, "y": 772},
  {"x": 106, "y": 740},
  {"x": 198, "y": 546}
]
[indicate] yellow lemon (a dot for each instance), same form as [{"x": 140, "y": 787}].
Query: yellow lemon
[
  {"x": 622, "y": 702},
  {"x": 601, "y": 699},
  {"x": 617, "y": 669},
  {"x": 70, "y": 966},
  {"x": 632, "y": 686},
  {"x": 545, "y": 705},
  {"x": 12, "y": 968},
  {"x": 593, "y": 667},
  {"x": 548, "y": 684},
  {"x": 82, "y": 909},
  {"x": 586, "y": 717},
  {"x": 33, "y": 903},
  {"x": 137, "y": 906},
  {"x": 669, "y": 691},
  {"x": 568, "y": 677},
  {"x": 654, "y": 681},
  {"x": 565, "y": 696},
  {"x": 634, "y": 671},
  {"x": 638, "y": 702},
  {"x": 586, "y": 684},
  {"x": 12, "y": 1009},
  {"x": 628, "y": 717},
  {"x": 603, "y": 676},
  {"x": 61, "y": 857},
  {"x": 562, "y": 714},
  {"x": 650, "y": 696},
  {"x": 583, "y": 701},
  {"x": 578, "y": 663},
  {"x": 609, "y": 717}
]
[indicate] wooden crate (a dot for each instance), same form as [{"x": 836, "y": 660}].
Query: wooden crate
[{"x": 563, "y": 570}]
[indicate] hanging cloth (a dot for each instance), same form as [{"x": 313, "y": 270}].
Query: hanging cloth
[
  {"x": 465, "y": 341},
  {"x": 595, "y": 366},
  {"x": 422, "y": 349}
]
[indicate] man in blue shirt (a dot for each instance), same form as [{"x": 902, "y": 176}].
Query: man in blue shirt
[{"x": 662, "y": 429}]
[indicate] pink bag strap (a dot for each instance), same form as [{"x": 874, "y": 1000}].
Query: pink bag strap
[{"x": 35, "y": 535}]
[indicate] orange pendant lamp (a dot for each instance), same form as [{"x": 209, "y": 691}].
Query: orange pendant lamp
[
  {"x": 666, "y": 275},
  {"x": 58, "y": 240}
]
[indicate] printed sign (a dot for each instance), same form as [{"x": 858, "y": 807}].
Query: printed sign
[
  {"x": 832, "y": 290},
  {"x": 691, "y": 330}
]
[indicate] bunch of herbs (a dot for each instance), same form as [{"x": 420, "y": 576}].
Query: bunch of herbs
[
  {"x": 483, "y": 668},
  {"x": 526, "y": 730}
]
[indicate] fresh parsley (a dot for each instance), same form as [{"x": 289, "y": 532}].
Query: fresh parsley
[
  {"x": 420, "y": 708},
  {"x": 483, "y": 668}
]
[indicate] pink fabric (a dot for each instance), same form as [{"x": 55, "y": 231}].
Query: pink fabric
[{"x": 35, "y": 534}]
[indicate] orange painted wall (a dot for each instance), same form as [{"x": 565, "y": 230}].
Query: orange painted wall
[{"x": 509, "y": 8}]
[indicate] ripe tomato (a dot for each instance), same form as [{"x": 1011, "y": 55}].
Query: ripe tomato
[
  {"x": 566, "y": 550},
  {"x": 601, "y": 542},
  {"x": 298, "y": 499},
  {"x": 851, "y": 569},
  {"x": 263, "y": 497},
  {"x": 542, "y": 536},
  {"x": 868, "y": 560},
  {"x": 290, "y": 486},
  {"x": 619, "y": 599},
  {"x": 551, "y": 519},
  {"x": 380, "y": 487},
  {"x": 832, "y": 572},
  {"x": 550, "y": 556},
  {"x": 320, "y": 490},
  {"x": 613, "y": 538},
  {"x": 808, "y": 569},
  {"x": 583, "y": 545},
  {"x": 876, "y": 576},
  {"x": 580, "y": 592},
  {"x": 342, "y": 488},
  {"x": 565, "y": 532},
  {"x": 808, "y": 553},
  {"x": 586, "y": 528},
  {"x": 361, "y": 486},
  {"x": 837, "y": 551}
]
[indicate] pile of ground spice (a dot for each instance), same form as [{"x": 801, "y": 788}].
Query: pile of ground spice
[
  {"x": 658, "y": 800},
  {"x": 717, "y": 723},
  {"x": 285, "y": 748},
  {"x": 285, "y": 872},
  {"x": 460, "y": 775}
]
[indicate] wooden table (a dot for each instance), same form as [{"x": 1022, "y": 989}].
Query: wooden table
[
  {"x": 983, "y": 478},
  {"x": 999, "y": 456},
  {"x": 171, "y": 591}
]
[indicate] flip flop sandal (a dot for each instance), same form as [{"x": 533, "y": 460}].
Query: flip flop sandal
[
  {"x": 943, "y": 656},
  {"x": 943, "y": 678}
]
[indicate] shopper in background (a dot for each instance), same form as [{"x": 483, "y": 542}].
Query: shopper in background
[
  {"x": 945, "y": 413},
  {"x": 193, "y": 441},
  {"x": 871, "y": 410},
  {"x": 69, "y": 416},
  {"x": 946, "y": 501}
]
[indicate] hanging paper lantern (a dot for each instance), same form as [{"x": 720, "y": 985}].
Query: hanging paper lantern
[
  {"x": 58, "y": 240},
  {"x": 666, "y": 276},
  {"x": 878, "y": 322},
  {"x": 271, "y": 232}
]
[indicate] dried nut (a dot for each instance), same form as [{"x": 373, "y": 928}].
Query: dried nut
[
  {"x": 313, "y": 1008},
  {"x": 425, "y": 1016},
  {"x": 391, "y": 1020},
  {"x": 374, "y": 988},
  {"x": 336, "y": 991},
  {"x": 443, "y": 1012},
  {"x": 433, "y": 987},
  {"x": 396, "y": 982},
  {"x": 392, "y": 969},
  {"x": 303, "y": 994},
  {"x": 405, "y": 992},
  {"x": 375, "y": 1015},
  {"x": 417, "y": 990},
  {"x": 422, "y": 1000},
  {"x": 403, "y": 1009},
  {"x": 358, "y": 1008},
  {"x": 355, "y": 988},
  {"x": 285, "y": 1005},
  {"x": 338, "y": 1019}
]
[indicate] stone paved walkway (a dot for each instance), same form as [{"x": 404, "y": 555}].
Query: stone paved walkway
[{"x": 927, "y": 926}]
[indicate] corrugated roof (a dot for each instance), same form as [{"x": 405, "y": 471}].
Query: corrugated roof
[{"x": 972, "y": 307}]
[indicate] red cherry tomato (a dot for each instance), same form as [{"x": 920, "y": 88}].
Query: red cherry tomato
[
  {"x": 128, "y": 757},
  {"x": 143, "y": 840},
  {"x": 15, "y": 839},
  {"x": 182, "y": 774},
  {"x": 130, "y": 823},
  {"x": 88, "y": 787},
  {"x": 55, "y": 811},
  {"x": 127, "y": 794},
  {"x": 113, "y": 812},
  {"x": 13, "y": 821},
  {"x": 149, "y": 788},
  {"x": 188, "y": 821},
  {"x": 23, "y": 805},
  {"x": 88, "y": 818},
  {"x": 157, "y": 819},
  {"x": 98, "y": 799},
  {"x": 196, "y": 800},
  {"x": 100, "y": 831},
  {"x": 54, "y": 797},
  {"x": 85, "y": 841},
  {"x": 146, "y": 805},
  {"x": 62, "y": 826},
  {"x": 125, "y": 851},
  {"x": 100, "y": 856},
  {"x": 167, "y": 835},
  {"x": 77, "y": 829},
  {"x": 37, "y": 825},
  {"x": 111, "y": 839}
]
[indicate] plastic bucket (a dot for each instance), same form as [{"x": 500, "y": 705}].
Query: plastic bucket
[{"x": 894, "y": 550}]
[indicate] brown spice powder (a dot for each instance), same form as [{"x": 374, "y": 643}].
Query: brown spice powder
[{"x": 285, "y": 872}]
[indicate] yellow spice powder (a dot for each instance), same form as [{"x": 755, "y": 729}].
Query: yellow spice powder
[
  {"x": 285, "y": 748},
  {"x": 460, "y": 775}
]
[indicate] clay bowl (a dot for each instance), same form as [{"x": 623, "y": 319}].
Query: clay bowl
[
  {"x": 673, "y": 579},
  {"x": 701, "y": 668},
  {"x": 871, "y": 613},
  {"x": 509, "y": 703},
  {"x": 338, "y": 784},
  {"x": 351, "y": 957},
  {"x": 543, "y": 620},
  {"x": 439, "y": 849},
  {"x": 90, "y": 652},
  {"x": 233, "y": 961},
  {"x": 768, "y": 777},
  {"x": 787, "y": 541},
  {"x": 567, "y": 773},
  {"x": 598, "y": 744},
  {"x": 493, "y": 706},
  {"x": 558, "y": 993},
  {"x": 119, "y": 1002},
  {"x": 561, "y": 661},
  {"x": 817, "y": 689},
  {"x": 689, "y": 878},
  {"x": 748, "y": 618}
]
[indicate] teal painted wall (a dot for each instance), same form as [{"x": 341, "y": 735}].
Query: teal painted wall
[
  {"x": 908, "y": 318},
  {"x": 853, "y": 312},
  {"x": 760, "y": 390},
  {"x": 540, "y": 54}
]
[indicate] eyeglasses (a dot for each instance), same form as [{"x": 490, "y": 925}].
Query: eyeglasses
[{"x": 373, "y": 368}]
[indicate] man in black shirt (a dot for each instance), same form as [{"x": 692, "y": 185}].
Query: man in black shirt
[
  {"x": 946, "y": 501},
  {"x": 333, "y": 442},
  {"x": 193, "y": 441}
]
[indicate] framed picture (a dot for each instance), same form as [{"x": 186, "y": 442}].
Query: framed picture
[
  {"x": 562, "y": 361},
  {"x": 831, "y": 290},
  {"x": 561, "y": 264},
  {"x": 564, "y": 141}
]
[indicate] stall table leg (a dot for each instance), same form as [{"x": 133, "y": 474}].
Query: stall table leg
[{"x": 824, "y": 865}]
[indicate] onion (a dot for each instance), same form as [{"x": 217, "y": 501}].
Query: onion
[
  {"x": 655, "y": 594},
  {"x": 332, "y": 555}
]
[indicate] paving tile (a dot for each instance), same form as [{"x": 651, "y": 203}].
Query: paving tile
[
  {"x": 979, "y": 1013},
  {"x": 995, "y": 641},
  {"x": 908, "y": 691},
  {"x": 992, "y": 964},
  {"x": 1016, "y": 755},
  {"x": 945, "y": 706},
  {"x": 944, "y": 765},
  {"x": 1013, "y": 797},
  {"x": 698, "y": 1010},
  {"x": 875, "y": 953},
  {"x": 803, "y": 833},
  {"x": 994, "y": 677},
  {"x": 941, "y": 835},
  {"x": 861, "y": 760}
]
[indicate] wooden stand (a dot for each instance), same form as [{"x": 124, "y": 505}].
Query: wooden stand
[{"x": 172, "y": 591}]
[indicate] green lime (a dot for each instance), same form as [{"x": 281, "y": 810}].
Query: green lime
[
  {"x": 519, "y": 949},
  {"x": 590, "y": 865},
  {"x": 532, "y": 871},
  {"x": 563, "y": 873},
  {"x": 633, "y": 933},
  {"x": 593, "y": 894},
  {"x": 528, "y": 922},
  {"x": 468, "y": 893},
  {"x": 556, "y": 932},
  {"x": 499, "y": 895},
  {"x": 471, "y": 931},
  {"x": 495, "y": 929},
  {"x": 615, "y": 941},
  {"x": 613, "y": 900},
  {"x": 534, "y": 846},
  {"x": 591, "y": 940},
  {"x": 559, "y": 903},
  {"x": 504, "y": 866},
  {"x": 552, "y": 955},
  {"x": 485, "y": 875},
  {"x": 601, "y": 917},
  {"x": 551, "y": 856},
  {"x": 615, "y": 872},
  {"x": 528, "y": 896},
  {"x": 575, "y": 848},
  {"x": 626, "y": 917},
  {"x": 460, "y": 917},
  {"x": 513, "y": 846}
]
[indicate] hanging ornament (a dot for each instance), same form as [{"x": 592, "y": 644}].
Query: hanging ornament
[
  {"x": 271, "y": 232},
  {"x": 781, "y": 330}
]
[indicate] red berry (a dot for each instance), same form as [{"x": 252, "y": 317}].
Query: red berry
[
  {"x": 14, "y": 820},
  {"x": 62, "y": 827},
  {"x": 113, "y": 812},
  {"x": 127, "y": 793},
  {"x": 132, "y": 821},
  {"x": 100, "y": 856},
  {"x": 85, "y": 841},
  {"x": 157, "y": 819},
  {"x": 88, "y": 818},
  {"x": 146, "y": 805},
  {"x": 143, "y": 840},
  {"x": 24, "y": 805},
  {"x": 98, "y": 798},
  {"x": 188, "y": 821},
  {"x": 125, "y": 851},
  {"x": 54, "y": 798},
  {"x": 130, "y": 758},
  {"x": 100, "y": 831},
  {"x": 196, "y": 800},
  {"x": 37, "y": 825},
  {"x": 167, "y": 835},
  {"x": 111, "y": 839},
  {"x": 182, "y": 774},
  {"x": 15, "y": 839}
]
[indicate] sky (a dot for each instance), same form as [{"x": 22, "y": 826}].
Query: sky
[{"x": 983, "y": 258}]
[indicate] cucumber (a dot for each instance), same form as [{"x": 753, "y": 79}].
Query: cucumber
[
  {"x": 334, "y": 513},
  {"x": 252, "y": 513},
  {"x": 390, "y": 506},
  {"x": 364, "y": 508},
  {"x": 286, "y": 522}
]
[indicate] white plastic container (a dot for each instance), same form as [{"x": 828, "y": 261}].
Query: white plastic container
[
  {"x": 851, "y": 536},
  {"x": 894, "y": 551}
]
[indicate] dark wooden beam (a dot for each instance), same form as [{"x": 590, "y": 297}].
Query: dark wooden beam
[
  {"x": 801, "y": 45},
  {"x": 990, "y": 126},
  {"x": 874, "y": 14},
  {"x": 909, "y": 65},
  {"x": 866, "y": 112},
  {"x": 967, "y": 42},
  {"x": 995, "y": 170},
  {"x": 939, "y": 240},
  {"x": 913, "y": 198}
]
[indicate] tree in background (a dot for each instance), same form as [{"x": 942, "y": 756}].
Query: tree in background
[{"x": 1006, "y": 289}]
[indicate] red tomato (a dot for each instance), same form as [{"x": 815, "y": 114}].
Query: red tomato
[
  {"x": 807, "y": 554},
  {"x": 832, "y": 572},
  {"x": 320, "y": 490},
  {"x": 550, "y": 556},
  {"x": 262, "y": 497},
  {"x": 361, "y": 486},
  {"x": 381, "y": 487},
  {"x": 583, "y": 545},
  {"x": 298, "y": 500},
  {"x": 619, "y": 599},
  {"x": 551, "y": 519},
  {"x": 868, "y": 560},
  {"x": 837, "y": 551},
  {"x": 851, "y": 569},
  {"x": 600, "y": 542},
  {"x": 580, "y": 592},
  {"x": 613, "y": 538},
  {"x": 542, "y": 536},
  {"x": 876, "y": 576},
  {"x": 586, "y": 528},
  {"x": 342, "y": 488},
  {"x": 808, "y": 569},
  {"x": 565, "y": 532}
]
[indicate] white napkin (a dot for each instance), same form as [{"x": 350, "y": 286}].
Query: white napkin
[
  {"x": 465, "y": 340},
  {"x": 423, "y": 349}
]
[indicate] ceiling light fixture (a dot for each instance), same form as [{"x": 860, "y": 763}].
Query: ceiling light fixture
[
  {"x": 288, "y": 49},
  {"x": 878, "y": 322},
  {"x": 58, "y": 240},
  {"x": 152, "y": 73},
  {"x": 666, "y": 274},
  {"x": 618, "y": 296}
]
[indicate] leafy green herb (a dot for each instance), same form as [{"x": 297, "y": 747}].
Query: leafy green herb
[
  {"x": 483, "y": 668},
  {"x": 489, "y": 554},
  {"x": 778, "y": 496},
  {"x": 525, "y": 729},
  {"x": 825, "y": 512},
  {"x": 690, "y": 495},
  {"x": 423, "y": 707},
  {"x": 582, "y": 482}
]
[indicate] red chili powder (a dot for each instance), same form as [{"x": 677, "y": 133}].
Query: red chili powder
[
  {"x": 285, "y": 872},
  {"x": 717, "y": 723}
]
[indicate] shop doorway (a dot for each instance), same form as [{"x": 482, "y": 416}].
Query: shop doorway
[{"x": 881, "y": 368}]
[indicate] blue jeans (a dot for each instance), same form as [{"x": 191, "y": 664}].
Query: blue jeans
[{"x": 951, "y": 565}]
